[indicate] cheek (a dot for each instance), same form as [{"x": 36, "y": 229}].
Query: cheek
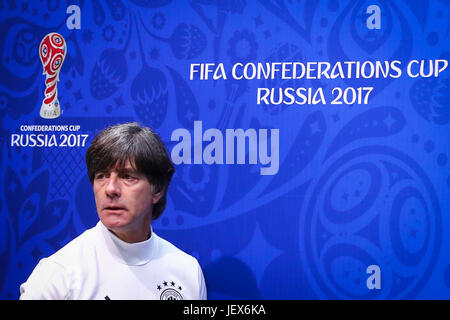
[
  {"x": 141, "y": 201},
  {"x": 97, "y": 195}
]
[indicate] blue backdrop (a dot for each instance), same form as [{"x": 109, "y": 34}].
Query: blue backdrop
[{"x": 359, "y": 185}]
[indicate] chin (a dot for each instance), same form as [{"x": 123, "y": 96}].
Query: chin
[{"x": 113, "y": 222}]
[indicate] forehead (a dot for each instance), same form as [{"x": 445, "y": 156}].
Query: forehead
[
  {"x": 118, "y": 166},
  {"x": 124, "y": 166},
  {"x": 127, "y": 167}
]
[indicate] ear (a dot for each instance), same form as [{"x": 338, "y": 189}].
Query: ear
[{"x": 157, "y": 196}]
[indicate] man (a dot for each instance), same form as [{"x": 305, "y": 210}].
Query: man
[{"x": 121, "y": 257}]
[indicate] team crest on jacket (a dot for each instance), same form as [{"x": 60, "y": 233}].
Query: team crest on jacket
[{"x": 169, "y": 291}]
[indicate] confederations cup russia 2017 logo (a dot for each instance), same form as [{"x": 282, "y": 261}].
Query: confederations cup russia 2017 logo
[{"x": 52, "y": 52}]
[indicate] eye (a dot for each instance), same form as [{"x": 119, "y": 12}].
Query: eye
[
  {"x": 129, "y": 177},
  {"x": 100, "y": 176}
]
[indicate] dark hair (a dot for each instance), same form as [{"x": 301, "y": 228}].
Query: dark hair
[{"x": 129, "y": 142}]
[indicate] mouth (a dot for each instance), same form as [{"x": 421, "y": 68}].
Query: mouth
[{"x": 114, "y": 208}]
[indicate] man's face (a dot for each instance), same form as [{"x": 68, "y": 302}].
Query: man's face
[{"x": 124, "y": 198}]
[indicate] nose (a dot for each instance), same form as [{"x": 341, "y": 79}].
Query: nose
[{"x": 112, "y": 188}]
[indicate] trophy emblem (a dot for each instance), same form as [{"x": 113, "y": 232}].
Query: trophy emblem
[{"x": 52, "y": 52}]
